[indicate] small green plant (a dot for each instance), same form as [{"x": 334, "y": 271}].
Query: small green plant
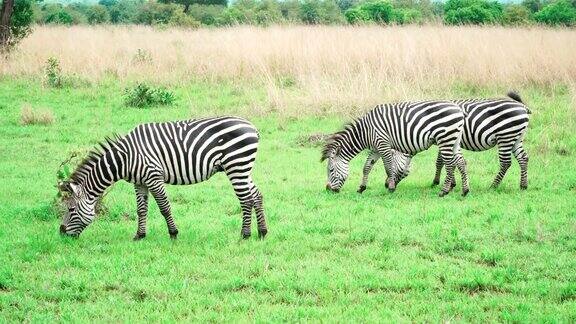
[
  {"x": 142, "y": 56},
  {"x": 142, "y": 95},
  {"x": 53, "y": 73}
]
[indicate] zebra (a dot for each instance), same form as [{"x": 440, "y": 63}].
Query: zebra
[
  {"x": 177, "y": 153},
  {"x": 408, "y": 127},
  {"x": 489, "y": 122}
]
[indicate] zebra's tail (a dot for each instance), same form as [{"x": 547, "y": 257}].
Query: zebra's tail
[{"x": 515, "y": 96}]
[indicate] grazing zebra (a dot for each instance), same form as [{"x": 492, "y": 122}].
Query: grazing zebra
[
  {"x": 488, "y": 123},
  {"x": 179, "y": 153},
  {"x": 408, "y": 127}
]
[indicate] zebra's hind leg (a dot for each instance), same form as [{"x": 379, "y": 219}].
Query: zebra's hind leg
[
  {"x": 450, "y": 161},
  {"x": 159, "y": 194},
  {"x": 439, "y": 165},
  {"x": 461, "y": 164},
  {"x": 522, "y": 157},
  {"x": 370, "y": 161},
  {"x": 260, "y": 217},
  {"x": 141, "y": 210},
  {"x": 505, "y": 157}
]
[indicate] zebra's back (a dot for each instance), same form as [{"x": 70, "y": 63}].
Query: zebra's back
[
  {"x": 490, "y": 120},
  {"x": 191, "y": 151},
  {"x": 414, "y": 126}
]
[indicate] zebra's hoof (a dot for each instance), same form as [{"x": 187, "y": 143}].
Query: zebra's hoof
[
  {"x": 523, "y": 187},
  {"x": 465, "y": 192},
  {"x": 139, "y": 236},
  {"x": 442, "y": 193},
  {"x": 435, "y": 182},
  {"x": 362, "y": 188},
  {"x": 173, "y": 234},
  {"x": 261, "y": 233},
  {"x": 246, "y": 236},
  {"x": 453, "y": 184}
]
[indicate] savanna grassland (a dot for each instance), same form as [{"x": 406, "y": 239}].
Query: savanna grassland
[{"x": 496, "y": 255}]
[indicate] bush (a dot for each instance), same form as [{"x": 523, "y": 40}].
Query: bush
[
  {"x": 57, "y": 14},
  {"x": 379, "y": 11},
  {"x": 516, "y": 15},
  {"x": 123, "y": 12},
  {"x": 290, "y": 10},
  {"x": 320, "y": 12},
  {"x": 53, "y": 73},
  {"x": 97, "y": 14},
  {"x": 357, "y": 16},
  {"x": 142, "y": 96},
  {"x": 561, "y": 12},
  {"x": 406, "y": 16},
  {"x": 206, "y": 14},
  {"x": 154, "y": 13},
  {"x": 462, "y": 12}
]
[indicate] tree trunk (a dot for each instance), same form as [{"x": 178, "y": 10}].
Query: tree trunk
[{"x": 5, "y": 16}]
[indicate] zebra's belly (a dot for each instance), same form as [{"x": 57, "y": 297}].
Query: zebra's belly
[
  {"x": 477, "y": 143},
  {"x": 191, "y": 175}
]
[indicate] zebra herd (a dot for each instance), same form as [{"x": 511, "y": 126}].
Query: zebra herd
[{"x": 189, "y": 152}]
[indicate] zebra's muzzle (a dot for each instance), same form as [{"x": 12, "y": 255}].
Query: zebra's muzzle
[
  {"x": 62, "y": 229},
  {"x": 328, "y": 188}
]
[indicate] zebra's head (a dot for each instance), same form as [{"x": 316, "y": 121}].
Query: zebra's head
[
  {"x": 400, "y": 166},
  {"x": 80, "y": 209},
  {"x": 338, "y": 167}
]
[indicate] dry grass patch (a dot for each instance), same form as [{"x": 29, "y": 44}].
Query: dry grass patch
[{"x": 30, "y": 116}]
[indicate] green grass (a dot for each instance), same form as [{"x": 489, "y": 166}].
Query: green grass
[{"x": 496, "y": 255}]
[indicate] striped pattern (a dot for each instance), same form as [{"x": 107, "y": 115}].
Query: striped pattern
[
  {"x": 179, "y": 153},
  {"x": 488, "y": 123},
  {"x": 407, "y": 127}
]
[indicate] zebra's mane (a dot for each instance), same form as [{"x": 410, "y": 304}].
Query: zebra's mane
[
  {"x": 94, "y": 157},
  {"x": 333, "y": 141}
]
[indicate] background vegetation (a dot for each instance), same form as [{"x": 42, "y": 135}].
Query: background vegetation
[{"x": 195, "y": 13}]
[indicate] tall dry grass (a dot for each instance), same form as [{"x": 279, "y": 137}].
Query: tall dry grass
[{"x": 304, "y": 66}]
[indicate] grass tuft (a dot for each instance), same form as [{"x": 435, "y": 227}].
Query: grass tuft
[{"x": 29, "y": 116}]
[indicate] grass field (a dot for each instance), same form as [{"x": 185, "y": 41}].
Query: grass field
[{"x": 496, "y": 255}]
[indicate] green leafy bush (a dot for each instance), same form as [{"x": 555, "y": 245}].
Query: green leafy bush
[
  {"x": 476, "y": 12},
  {"x": 142, "y": 96},
  {"x": 404, "y": 16},
  {"x": 206, "y": 14},
  {"x": 559, "y": 13},
  {"x": 314, "y": 12},
  {"x": 516, "y": 15},
  {"x": 53, "y": 73},
  {"x": 97, "y": 14},
  {"x": 379, "y": 11}
]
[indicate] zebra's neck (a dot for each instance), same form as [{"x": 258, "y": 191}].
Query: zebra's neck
[
  {"x": 354, "y": 140},
  {"x": 105, "y": 170}
]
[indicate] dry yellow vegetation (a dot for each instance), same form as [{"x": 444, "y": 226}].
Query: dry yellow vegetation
[{"x": 322, "y": 66}]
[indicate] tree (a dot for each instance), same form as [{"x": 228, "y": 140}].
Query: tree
[
  {"x": 462, "y": 12},
  {"x": 532, "y": 5},
  {"x": 16, "y": 17},
  {"x": 97, "y": 14},
  {"x": 561, "y": 12},
  {"x": 188, "y": 3},
  {"x": 515, "y": 14}
]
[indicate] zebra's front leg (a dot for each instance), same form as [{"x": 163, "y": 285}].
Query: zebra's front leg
[
  {"x": 439, "y": 165},
  {"x": 141, "y": 210},
  {"x": 370, "y": 161},
  {"x": 159, "y": 194},
  {"x": 449, "y": 158}
]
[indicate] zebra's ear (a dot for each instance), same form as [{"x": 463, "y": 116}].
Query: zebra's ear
[
  {"x": 75, "y": 189},
  {"x": 70, "y": 188}
]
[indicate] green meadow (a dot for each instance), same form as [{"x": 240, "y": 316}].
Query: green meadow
[{"x": 500, "y": 255}]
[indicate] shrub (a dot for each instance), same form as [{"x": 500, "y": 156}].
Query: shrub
[
  {"x": 561, "y": 12},
  {"x": 461, "y": 12},
  {"x": 357, "y": 16},
  {"x": 143, "y": 95},
  {"x": 29, "y": 116},
  {"x": 320, "y": 12},
  {"x": 206, "y": 14},
  {"x": 406, "y": 16},
  {"x": 53, "y": 73},
  {"x": 97, "y": 14},
  {"x": 123, "y": 12},
  {"x": 290, "y": 10},
  {"x": 153, "y": 13},
  {"x": 379, "y": 11},
  {"x": 516, "y": 15}
]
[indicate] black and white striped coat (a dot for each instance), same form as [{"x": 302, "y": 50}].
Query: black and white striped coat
[
  {"x": 179, "y": 153},
  {"x": 407, "y": 127},
  {"x": 488, "y": 123}
]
